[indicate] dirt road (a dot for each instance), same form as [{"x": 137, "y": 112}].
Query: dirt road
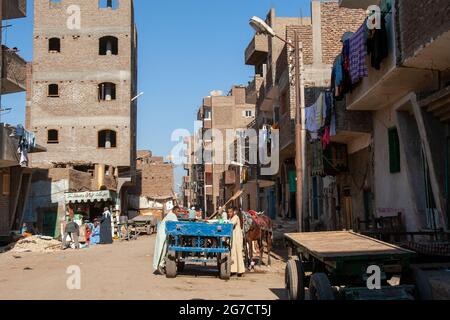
[{"x": 124, "y": 271}]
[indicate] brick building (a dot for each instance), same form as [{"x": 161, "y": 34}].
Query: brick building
[
  {"x": 220, "y": 113},
  {"x": 276, "y": 105},
  {"x": 80, "y": 95},
  {"x": 154, "y": 183}
]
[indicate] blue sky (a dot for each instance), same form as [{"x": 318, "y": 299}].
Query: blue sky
[{"x": 186, "y": 49}]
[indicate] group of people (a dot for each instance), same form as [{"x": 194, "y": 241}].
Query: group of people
[
  {"x": 98, "y": 232},
  {"x": 237, "y": 246}
]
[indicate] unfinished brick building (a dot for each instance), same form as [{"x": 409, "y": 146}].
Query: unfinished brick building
[
  {"x": 154, "y": 183},
  {"x": 82, "y": 83}
]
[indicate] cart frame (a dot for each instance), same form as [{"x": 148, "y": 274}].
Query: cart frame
[
  {"x": 328, "y": 259},
  {"x": 198, "y": 242}
]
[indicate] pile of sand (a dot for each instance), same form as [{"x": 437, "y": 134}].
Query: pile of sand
[{"x": 36, "y": 244}]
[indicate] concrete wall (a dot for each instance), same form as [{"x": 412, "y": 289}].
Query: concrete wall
[{"x": 393, "y": 192}]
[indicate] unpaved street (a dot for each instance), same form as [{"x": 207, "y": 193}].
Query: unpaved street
[{"x": 124, "y": 271}]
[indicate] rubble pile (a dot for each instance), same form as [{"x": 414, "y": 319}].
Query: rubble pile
[{"x": 36, "y": 244}]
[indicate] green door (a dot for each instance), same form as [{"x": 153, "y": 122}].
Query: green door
[{"x": 50, "y": 224}]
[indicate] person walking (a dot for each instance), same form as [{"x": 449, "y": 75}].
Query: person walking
[
  {"x": 72, "y": 230},
  {"x": 105, "y": 227},
  {"x": 237, "y": 246}
]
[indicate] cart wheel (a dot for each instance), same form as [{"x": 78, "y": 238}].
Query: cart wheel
[
  {"x": 171, "y": 265},
  {"x": 225, "y": 266},
  {"x": 295, "y": 280},
  {"x": 418, "y": 277},
  {"x": 149, "y": 230},
  {"x": 320, "y": 287}
]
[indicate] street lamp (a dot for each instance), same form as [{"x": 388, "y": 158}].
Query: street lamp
[
  {"x": 261, "y": 27},
  {"x": 4, "y": 110},
  {"x": 135, "y": 98}
]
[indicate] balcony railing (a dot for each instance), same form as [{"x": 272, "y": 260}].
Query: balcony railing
[{"x": 14, "y": 72}]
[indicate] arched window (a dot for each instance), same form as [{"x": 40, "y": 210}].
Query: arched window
[
  {"x": 108, "y": 46},
  {"x": 54, "y": 45},
  {"x": 53, "y": 90},
  {"x": 111, "y": 4},
  {"x": 106, "y": 91},
  {"x": 52, "y": 136},
  {"x": 107, "y": 139}
]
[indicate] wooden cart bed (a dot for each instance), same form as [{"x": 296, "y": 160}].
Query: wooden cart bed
[{"x": 329, "y": 246}]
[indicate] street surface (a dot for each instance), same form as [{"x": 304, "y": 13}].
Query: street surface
[{"x": 124, "y": 271}]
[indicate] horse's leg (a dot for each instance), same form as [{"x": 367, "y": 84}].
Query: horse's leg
[
  {"x": 269, "y": 247},
  {"x": 261, "y": 248}
]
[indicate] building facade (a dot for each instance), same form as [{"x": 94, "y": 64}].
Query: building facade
[{"x": 82, "y": 83}]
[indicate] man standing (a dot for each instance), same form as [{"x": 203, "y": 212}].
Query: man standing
[
  {"x": 237, "y": 247},
  {"x": 105, "y": 227},
  {"x": 72, "y": 230},
  {"x": 161, "y": 241}
]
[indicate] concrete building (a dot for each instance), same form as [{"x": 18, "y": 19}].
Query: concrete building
[
  {"x": 80, "y": 95},
  {"x": 276, "y": 105},
  {"x": 221, "y": 113},
  {"x": 409, "y": 97},
  {"x": 15, "y": 174}
]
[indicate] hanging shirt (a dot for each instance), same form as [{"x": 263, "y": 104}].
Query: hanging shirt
[
  {"x": 338, "y": 71},
  {"x": 310, "y": 118},
  {"x": 358, "y": 52}
]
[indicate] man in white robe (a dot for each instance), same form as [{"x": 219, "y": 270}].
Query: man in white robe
[
  {"x": 237, "y": 246},
  {"x": 161, "y": 241}
]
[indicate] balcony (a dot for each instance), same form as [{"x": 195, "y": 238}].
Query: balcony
[
  {"x": 14, "y": 72},
  {"x": 257, "y": 50},
  {"x": 14, "y": 9},
  {"x": 8, "y": 147},
  {"x": 358, "y": 4},
  {"x": 386, "y": 86}
]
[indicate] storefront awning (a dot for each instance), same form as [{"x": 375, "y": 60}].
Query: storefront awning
[{"x": 90, "y": 196}]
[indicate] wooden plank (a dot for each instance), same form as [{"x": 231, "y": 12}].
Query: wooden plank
[{"x": 334, "y": 245}]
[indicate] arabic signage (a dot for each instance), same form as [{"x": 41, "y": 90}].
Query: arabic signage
[{"x": 89, "y": 196}]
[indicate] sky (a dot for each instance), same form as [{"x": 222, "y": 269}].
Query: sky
[{"x": 187, "y": 48}]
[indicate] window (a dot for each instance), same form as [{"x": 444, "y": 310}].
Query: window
[
  {"x": 6, "y": 184},
  {"x": 207, "y": 115},
  {"x": 107, "y": 139},
  {"x": 394, "y": 151},
  {"x": 108, "y": 46},
  {"x": 53, "y": 90},
  {"x": 54, "y": 45},
  {"x": 107, "y": 91},
  {"x": 112, "y": 4},
  {"x": 247, "y": 114},
  {"x": 52, "y": 136}
]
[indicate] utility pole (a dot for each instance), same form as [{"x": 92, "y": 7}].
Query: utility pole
[{"x": 300, "y": 134}]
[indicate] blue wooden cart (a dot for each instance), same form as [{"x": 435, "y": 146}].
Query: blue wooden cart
[{"x": 198, "y": 242}]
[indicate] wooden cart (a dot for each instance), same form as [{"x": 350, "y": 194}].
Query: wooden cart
[{"x": 335, "y": 266}]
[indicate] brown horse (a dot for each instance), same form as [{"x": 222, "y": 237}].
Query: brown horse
[{"x": 257, "y": 228}]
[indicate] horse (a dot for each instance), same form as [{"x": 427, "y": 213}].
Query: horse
[{"x": 259, "y": 228}]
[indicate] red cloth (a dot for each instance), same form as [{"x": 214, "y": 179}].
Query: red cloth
[{"x": 326, "y": 139}]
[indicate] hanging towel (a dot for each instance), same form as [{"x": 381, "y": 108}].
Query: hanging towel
[{"x": 358, "y": 52}]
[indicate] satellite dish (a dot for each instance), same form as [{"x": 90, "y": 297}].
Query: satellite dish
[
  {"x": 216, "y": 93},
  {"x": 261, "y": 26}
]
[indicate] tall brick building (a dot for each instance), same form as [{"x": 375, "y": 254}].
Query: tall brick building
[
  {"x": 83, "y": 81},
  {"x": 81, "y": 88}
]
